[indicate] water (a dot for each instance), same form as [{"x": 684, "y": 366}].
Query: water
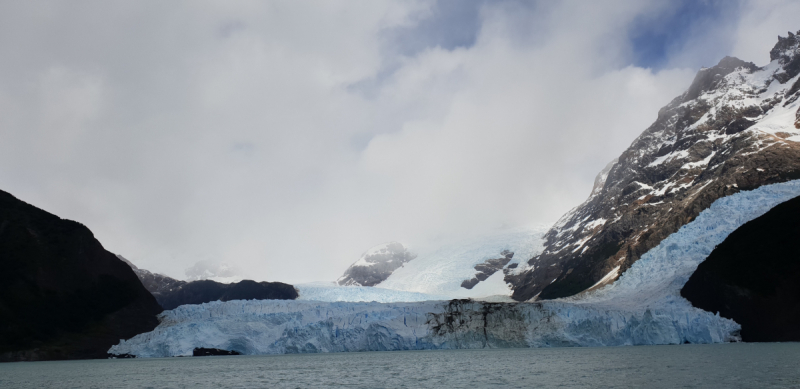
[{"x": 775, "y": 365}]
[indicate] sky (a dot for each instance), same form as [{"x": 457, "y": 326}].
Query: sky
[{"x": 285, "y": 138}]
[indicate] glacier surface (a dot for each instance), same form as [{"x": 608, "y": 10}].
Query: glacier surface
[
  {"x": 331, "y": 292},
  {"x": 441, "y": 270},
  {"x": 437, "y": 273},
  {"x": 642, "y": 307}
]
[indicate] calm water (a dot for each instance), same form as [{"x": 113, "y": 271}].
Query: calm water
[{"x": 689, "y": 366}]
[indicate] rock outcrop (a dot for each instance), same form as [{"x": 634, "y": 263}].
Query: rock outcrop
[
  {"x": 376, "y": 265},
  {"x": 488, "y": 267}
]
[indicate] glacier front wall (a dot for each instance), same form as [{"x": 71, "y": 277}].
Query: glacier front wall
[
  {"x": 642, "y": 307},
  {"x": 282, "y": 327}
]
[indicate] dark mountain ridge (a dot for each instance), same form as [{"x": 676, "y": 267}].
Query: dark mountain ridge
[{"x": 171, "y": 293}]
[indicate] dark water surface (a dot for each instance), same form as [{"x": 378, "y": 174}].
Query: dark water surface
[{"x": 771, "y": 365}]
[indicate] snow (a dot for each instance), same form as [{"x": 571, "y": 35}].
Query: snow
[
  {"x": 331, "y": 292},
  {"x": 441, "y": 270},
  {"x": 608, "y": 277},
  {"x": 599, "y": 222},
  {"x": 779, "y": 119}
]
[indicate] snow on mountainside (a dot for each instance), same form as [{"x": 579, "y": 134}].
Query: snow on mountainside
[
  {"x": 465, "y": 268},
  {"x": 643, "y": 307},
  {"x": 737, "y": 127},
  {"x": 376, "y": 264},
  {"x": 443, "y": 270}
]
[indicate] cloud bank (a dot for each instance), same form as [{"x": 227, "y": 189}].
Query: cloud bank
[{"x": 286, "y": 138}]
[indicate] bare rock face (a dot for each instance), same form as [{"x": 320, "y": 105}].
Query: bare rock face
[
  {"x": 62, "y": 295},
  {"x": 487, "y": 268},
  {"x": 157, "y": 284},
  {"x": 735, "y": 128},
  {"x": 376, "y": 265}
]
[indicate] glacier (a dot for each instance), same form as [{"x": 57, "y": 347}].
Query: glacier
[
  {"x": 642, "y": 307},
  {"x": 440, "y": 270},
  {"x": 437, "y": 272},
  {"x": 332, "y": 292}
]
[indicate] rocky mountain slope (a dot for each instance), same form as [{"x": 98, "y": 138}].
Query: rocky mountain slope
[
  {"x": 62, "y": 295},
  {"x": 376, "y": 265},
  {"x": 736, "y": 128},
  {"x": 171, "y": 293},
  {"x": 158, "y": 285},
  {"x": 752, "y": 277}
]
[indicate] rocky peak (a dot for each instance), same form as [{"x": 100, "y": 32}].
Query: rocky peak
[
  {"x": 733, "y": 129},
  {"x": 786, "y": 48},
  {"x": 709, "y": 78},
  {"x": 786, "y": 53}
]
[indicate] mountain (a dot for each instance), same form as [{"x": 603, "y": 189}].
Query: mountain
[
  {"x": 171, "y": 293},
  {"x": 376, "y": 265},
  {"x": 736, "y": 128},
  {"x": 203, "y": 291},
  {"x": 157, "y": 284},
  {"x": 753, "y": 277},
  {"x": 62, "y": 295}
]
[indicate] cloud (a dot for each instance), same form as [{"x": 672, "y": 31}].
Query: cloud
[{"x": 285, "y": 138}]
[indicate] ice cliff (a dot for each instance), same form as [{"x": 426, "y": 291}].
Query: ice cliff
[{"x": 642, "y": 307}]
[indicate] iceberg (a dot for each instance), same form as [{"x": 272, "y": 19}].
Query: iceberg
[{"x": 642, "y": 307}]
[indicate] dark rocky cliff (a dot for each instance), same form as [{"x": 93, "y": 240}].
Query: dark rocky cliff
[
  {"x": 733, "y": 129},
  {"x": 171, "y": 293},
  {"x": 753, "y": 277},
  {"x": 62, "y": 295},
  {"x": 203, "y": 291}
]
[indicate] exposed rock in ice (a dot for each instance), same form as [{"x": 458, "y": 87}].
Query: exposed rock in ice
[
  {"x": 376, "y": 265},
  {"x": 442, "y": 270}
]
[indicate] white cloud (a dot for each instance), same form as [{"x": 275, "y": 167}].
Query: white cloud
[
  {"x": 244, "y": 132},
  {"x": 761, "y": 23}
]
